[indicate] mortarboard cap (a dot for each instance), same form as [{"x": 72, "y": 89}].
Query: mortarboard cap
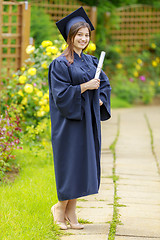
[{"x": 66, "y": 23}]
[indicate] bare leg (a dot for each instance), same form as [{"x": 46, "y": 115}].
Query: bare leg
[
  {"x": 71, "y": 214},
  {"x": 71, "y": 210},
  {"x": 60, "y": 209}
]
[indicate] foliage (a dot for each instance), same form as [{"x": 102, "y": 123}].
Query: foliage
[
  {"x": 135, "y": 77},
  {"x": 26, "y": 202},
  {"x": 41, "y": 26},
  {"x": 9, "y": 137},
  {"x": 28, "y": 88}
]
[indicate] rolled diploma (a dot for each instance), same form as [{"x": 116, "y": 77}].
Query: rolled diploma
[{"x": 100, "y": 64}]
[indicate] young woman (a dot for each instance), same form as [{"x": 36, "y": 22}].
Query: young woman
[{"x": 78, "y": 102}]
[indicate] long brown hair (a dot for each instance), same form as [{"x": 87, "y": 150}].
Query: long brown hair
[{"x": 68, "y": 52}]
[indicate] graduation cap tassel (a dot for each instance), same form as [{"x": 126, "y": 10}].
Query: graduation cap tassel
[{"x": 100, "y": 64}]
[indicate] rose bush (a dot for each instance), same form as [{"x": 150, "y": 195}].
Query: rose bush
[{"x": 9, "y": 137}]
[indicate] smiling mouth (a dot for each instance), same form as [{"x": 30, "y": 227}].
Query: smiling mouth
[{"x": 82, "y": 43}]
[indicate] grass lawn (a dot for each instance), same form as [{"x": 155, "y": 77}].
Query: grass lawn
[
  {"x": 119, "y": 103},
  {"x": 25, "y": 204}
]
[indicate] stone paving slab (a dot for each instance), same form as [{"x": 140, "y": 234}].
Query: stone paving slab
[
  {"x": 96, "y": 215},
  {"x": 139, "y": 226},
  {"x": 134, "y": 238},
  {"x": 136, "y": 164},
  {"x": 150, "y": 188},
  {"x": 141, "y": 210},
  {"x": 86, "y": 237}
]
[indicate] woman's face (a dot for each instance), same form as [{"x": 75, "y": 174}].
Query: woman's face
[{"x": 81, "y": 39}]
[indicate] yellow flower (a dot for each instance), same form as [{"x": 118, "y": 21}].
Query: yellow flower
[
  {"x": 92, "y": 47},
  {"x": 36, "y": 89},
  {"x": 58, "y": 54},
  {"x": 154, "y": 63},
  {"x": 46, "y": 108},
  {"x": 139, "y": 61},
  {"x": 48, "y": 53},
  {"x": 119, "y": 65},
  {"x": 52, "y": 49},
  {"x": 138, "y": 67},
  {"x": 22, "y": 69},
  {"x": 20, "y": 92},
  {"x": 30, "y": 49},
  {"x": 22, "y": 79},
  {"x": 32, "y": 71},
  {"x": 157, "y": 59},
  {"x": 14, "y": 75},
  {"x": 24, "y": 101},
  {"x": 46, "y": 43},
  {"x": 152, "y": 83},
  {"x": 36, "y": 99},
  {"x": 153, "y": 45},
  {"x": 43, "y": 102},
  {"x": 64, "y": 46},
  {"x": 39, "y": 93},
  {"x": 135, "y": 73},
  {"x": 44, "y": 65},
  {"x": 40, "y": 113},
  {"x": 44, "y": 142},
  {"x": 28, "y": 88},
  {"x": 46, "y": 96},
  {"x": 159, "y": 84},
  {"x": 117, "y": 49}
]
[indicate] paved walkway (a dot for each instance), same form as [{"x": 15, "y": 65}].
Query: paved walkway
[{"x": 139, "y": 180}]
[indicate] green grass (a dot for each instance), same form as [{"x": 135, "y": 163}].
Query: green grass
[
  {"x": 152, "y": 143},
  {"x": 116, "y": 216},
  {"x": 26, "y": 203},
  {"x": 119, "y": 103}
]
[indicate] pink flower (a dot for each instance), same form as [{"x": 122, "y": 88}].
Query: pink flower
[
  {"x": 131, "y": 80},
  {"x": 34, "y": 84},
  {"x": 142, "y": 78}
]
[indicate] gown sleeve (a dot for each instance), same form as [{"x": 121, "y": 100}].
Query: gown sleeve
[
  {"x": 66, "y": 97},
  {"x": 105, "y": 93}
]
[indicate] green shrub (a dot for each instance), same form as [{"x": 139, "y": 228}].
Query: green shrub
[
  {"x": 126, "y": 90},
  {"x": 42, "y": 28}
]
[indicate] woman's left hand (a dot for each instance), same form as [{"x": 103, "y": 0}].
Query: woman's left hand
[{"x": 100, "y": 102}]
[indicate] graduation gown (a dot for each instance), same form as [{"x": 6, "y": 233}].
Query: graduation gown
[{"x": 75, "y": 125}]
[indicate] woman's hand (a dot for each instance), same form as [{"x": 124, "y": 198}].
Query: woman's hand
[
  {"x": 93, "y": 84},
  {"x": 90, "y": 85},
  {"x": 100, "y": 102}
]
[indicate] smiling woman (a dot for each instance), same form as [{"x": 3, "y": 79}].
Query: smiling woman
[
  {"x": 78, "y": 102},
  {"x": 81, "y": 40}
]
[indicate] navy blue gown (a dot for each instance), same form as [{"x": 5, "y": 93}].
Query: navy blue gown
[{"x": 75, "y": 125}]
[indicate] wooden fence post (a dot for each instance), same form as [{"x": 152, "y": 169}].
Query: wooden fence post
[
  {"x": 0, "y": 41},
  {"x": 93, "y": 18},
  {"x": 0, "y": 48},
  {"x": 25, "y": 28}
]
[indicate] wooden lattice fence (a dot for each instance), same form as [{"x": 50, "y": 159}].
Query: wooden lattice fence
[
  {"x": 137, "y": 26},
  {"x": 14, "y": 35},
  {"x": 61, "y": 8}
]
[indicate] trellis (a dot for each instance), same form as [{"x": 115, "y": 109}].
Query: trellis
[
  {"x": 58, "y": 9},
  {"x": 14, "y": 35},
  {"x": 137, "y": 26}
]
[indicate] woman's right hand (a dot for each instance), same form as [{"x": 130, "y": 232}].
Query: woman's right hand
[
  {"x": 90, "y": 85},
  {"x": 93, "y": 84}
]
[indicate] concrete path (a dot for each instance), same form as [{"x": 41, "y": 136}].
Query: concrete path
[{"x": 138, "y": 186}]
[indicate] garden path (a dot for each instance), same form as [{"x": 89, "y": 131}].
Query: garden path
[{"x": 138, "y": 187}]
